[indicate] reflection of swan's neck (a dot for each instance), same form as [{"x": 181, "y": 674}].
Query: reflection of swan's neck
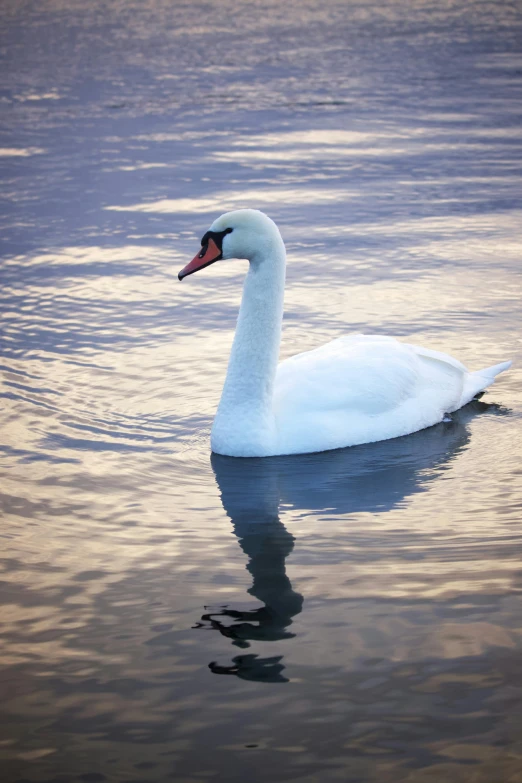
[
  {"x": 244, "y": 420},
  {"x": 267, "y": 544},
  {"x": 250, "y": 497}
]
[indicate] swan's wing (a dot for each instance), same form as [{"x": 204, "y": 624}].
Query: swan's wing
[
  {"x": 361, "y": 389},
  {"x": 366, "y": 375},
  {"x": 369, "y": 374},
  {"x": 444, "y": 358}
]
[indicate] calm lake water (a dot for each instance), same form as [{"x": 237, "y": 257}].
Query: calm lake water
[{"x": 171, "y": 616}]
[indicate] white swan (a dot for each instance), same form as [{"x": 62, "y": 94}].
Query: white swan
[{"x": 355, "y": 389}]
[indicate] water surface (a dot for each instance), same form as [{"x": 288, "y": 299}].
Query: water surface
[{"x": 353, "y": 615}]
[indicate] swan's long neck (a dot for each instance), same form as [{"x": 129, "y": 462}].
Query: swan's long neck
[{"x": 244, "y": 421}]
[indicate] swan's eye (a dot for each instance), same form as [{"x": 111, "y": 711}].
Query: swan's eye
[{"x": 216, "y": 236}]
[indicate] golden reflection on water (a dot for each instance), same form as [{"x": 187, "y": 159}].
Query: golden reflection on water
[
  {"x": 19, "y": 152},
  {"x": 226, "y": 200}
]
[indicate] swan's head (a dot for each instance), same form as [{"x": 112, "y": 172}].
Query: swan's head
[{"x": 244, "y": 233}]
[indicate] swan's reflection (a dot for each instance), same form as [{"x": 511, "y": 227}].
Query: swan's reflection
[
  {"x": 250, "y": 496},
  {"x": 373, "y": 477}
]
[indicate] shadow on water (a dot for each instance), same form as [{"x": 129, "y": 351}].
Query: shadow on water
[{"x": 374, "y": 477}]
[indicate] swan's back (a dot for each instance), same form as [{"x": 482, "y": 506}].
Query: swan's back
[
  {"x": 367, "y": 374},
  {"x": 359, "y": 389}
]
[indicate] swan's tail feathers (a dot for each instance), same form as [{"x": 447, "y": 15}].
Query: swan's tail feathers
[
  {"x": 492, "y": 372},
  {"x": 476, "y": 382}
]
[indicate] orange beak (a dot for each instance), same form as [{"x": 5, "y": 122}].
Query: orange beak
[{"x": 206, "y": 256}]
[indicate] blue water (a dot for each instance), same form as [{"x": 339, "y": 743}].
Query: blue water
[{"x": 168, "y": 616}]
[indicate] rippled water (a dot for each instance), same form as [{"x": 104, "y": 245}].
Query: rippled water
[{"x": 354, "y": 615}]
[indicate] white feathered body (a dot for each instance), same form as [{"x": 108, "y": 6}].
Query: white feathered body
[
  {"x": 356, "y": 389},
  {"x": 363, "y": 388}
]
